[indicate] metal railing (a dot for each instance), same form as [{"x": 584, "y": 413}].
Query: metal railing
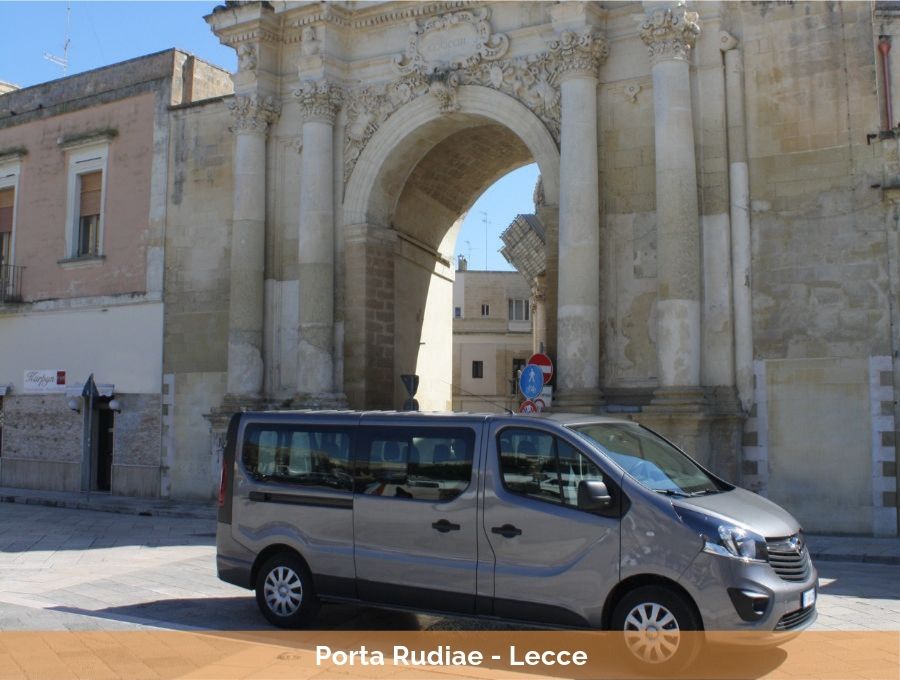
[{"x": 10, "y": 283}]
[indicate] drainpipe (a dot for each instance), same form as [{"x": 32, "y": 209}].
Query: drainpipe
[{"x": 884, "y": 48}]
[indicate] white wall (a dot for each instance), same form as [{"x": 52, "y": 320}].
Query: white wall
[{"x": 119, "y": 344}]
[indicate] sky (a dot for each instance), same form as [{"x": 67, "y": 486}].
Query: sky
[{"x": 102, "y": 33}]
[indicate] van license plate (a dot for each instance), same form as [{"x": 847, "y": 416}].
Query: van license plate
[{"x": 808, "y": 599}]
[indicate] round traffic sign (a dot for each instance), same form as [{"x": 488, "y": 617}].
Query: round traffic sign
[
  {"x": 531, "y": 382},
  {"x": 540, "y": 405},
  {"x": 546, "y": 365},
  {"x": 528, "y": 406}
]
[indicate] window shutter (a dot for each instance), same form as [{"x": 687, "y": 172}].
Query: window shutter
[
  {"x": 91, "y": 185},
  {"x": 7, "y": 199}
]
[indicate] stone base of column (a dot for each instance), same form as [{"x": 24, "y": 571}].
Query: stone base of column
[
  {"x": 707, "y": 423},
  {"x": 324, "y": 401},
  {"x": 578, "y": 401}
]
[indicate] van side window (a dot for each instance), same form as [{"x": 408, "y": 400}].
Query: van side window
[
  {"x": 314, "y": 456},
  {"x": 543, "y": 467},
  {"x": 415, "y": 463}
]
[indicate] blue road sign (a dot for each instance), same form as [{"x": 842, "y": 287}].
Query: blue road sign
[{"x": 532, "y": 381}]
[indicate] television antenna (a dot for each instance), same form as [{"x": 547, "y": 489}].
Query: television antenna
[{"x": 62, "y": 61}]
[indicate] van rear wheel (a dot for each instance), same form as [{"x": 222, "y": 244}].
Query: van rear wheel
[
  {"x": 653, "y": 621},
  {"x": 284, "y": 591}
]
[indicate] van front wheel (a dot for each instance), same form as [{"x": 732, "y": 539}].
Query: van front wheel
[
  {"x": 284, "y": 591},
  {"x": 653, "y": 620}
]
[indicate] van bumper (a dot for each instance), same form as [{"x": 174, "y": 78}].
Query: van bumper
[
  {"x": 734, "y": 595},
  {"x": 234, "y": 563}
]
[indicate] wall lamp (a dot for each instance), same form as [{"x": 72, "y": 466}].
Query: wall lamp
[
  {"x": 74, "y": 403},
  {"x": 114, "y": 405}
]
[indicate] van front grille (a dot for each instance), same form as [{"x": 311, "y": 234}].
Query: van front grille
[
  {"x": 795, "y": 619},
  {"x": 789, "y": 557}
]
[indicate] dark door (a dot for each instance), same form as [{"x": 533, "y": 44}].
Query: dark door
[{"x": 106, "y": 425}]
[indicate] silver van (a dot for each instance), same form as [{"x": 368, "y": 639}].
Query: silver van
[{"x": 563, "y": 520}]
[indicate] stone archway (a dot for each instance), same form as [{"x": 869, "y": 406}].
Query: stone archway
[{"x": 417, "y": 175}]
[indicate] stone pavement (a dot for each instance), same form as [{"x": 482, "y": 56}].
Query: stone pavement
[{"x": 70, "y": 569}]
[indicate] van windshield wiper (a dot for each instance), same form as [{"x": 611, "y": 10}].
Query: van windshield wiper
[{"x": 673, "y": 492}]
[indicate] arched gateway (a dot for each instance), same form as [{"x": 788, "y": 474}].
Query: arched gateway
[
  {"x": 403, "y": 113},
  {"x": 400, "y": 227}
]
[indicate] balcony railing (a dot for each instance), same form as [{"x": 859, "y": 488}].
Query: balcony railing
[{"x": 10, "y": 283}]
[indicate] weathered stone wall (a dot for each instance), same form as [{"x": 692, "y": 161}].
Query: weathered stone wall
[
  {"x": 42, "y": 446},
  {"x": 198, "y": 239},
  {"x": 821, "y": 286},
  {"x": 136, "y": 445}
]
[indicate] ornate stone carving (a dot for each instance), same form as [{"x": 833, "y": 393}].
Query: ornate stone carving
[
  {"x": 444, "y": 87},
  {"x": 670, "y": 33},
  {"x": 451, "y": 41},
  {"x": 631, "y": 91},
  {"x": 537, "y": 196},
  {"x": 253, "y": 113},
  {"x": 580, "y": 53},
  {"x": 319, "y": 100},
  {"x": 309, "y": 42},
  {"x": 246, "y": 55},
  {"x": 727, "y": 41},
  {"x": 532, "y": 80}
]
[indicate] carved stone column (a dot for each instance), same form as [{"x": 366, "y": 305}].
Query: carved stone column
[
  {"x": 539, "y": 314},
  {"x": 252, "y": 116},
  {"x": 578, "y": 301},
  {"x": 670, "y": 33},
  {"x": 319, "y": 102}
]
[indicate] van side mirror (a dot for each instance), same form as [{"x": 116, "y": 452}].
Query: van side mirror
[{"x": 593, "y": 496}]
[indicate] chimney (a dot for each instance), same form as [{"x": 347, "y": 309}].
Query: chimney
[{"x": 461, "y": 264}]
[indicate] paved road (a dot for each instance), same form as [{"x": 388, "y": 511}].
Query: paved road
[{"x": 83, "y": 570}]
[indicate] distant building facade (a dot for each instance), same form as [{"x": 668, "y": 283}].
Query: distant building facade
[{"x": 492, "y": 338}]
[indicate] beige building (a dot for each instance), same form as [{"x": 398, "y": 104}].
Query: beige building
[
  {"x": 718, "y": 207},
  {"x": 492, "y": 338},
  {"x": 84, "y": 187}
]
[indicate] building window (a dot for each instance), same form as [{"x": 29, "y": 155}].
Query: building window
[
  {"x": 519, "y": 310},
  {"x": 485, "y": 310},
  {"x": 7, "y": 204},
  {"x": 90, "y": 189},
  {"x": 85, "y": 206},
  {"x": 457, "y": 312},
  {"x": 477, "y": 369}
]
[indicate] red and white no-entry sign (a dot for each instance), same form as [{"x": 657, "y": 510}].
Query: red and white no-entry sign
[
  {"x": 546, "y": 365},
  {"x": 528, "y": 406}
]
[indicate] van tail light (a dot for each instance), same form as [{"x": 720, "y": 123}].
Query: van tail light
[{"x": 223, "y": 482}]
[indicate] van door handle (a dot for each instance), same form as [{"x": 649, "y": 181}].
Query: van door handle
[
  {"x": 507, "y": 531},
  {"x": 444, "y": 526}
]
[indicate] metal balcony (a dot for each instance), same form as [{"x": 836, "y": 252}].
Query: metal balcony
[{"x": 10, "y": 283}]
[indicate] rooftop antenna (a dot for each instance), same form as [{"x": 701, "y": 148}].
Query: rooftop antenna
[
  {"x": 62, "y": 61},
  {"x": 484, "y": 221}
]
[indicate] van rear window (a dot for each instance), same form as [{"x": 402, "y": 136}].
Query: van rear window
[
  {"x": 425, "y": 464},
  {"x": 300, "y": 455}
]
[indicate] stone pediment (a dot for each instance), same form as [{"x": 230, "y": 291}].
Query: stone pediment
[{"x": 451, "y": 41}]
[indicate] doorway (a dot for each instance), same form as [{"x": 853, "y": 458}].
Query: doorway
[{"x": 104, "y": 449}]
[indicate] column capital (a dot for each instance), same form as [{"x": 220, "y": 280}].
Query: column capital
[
  {"x": 253, "y": 113},
  {"x": 319, "y": 100},
  {"x": 579, "y": 54},
  {"x": 670, "y": 33}
]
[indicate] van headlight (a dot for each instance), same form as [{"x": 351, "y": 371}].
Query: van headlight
[{"x": 733, "y": 541}]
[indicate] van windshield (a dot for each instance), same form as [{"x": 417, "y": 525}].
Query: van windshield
[{"x": 651, "y": 460}]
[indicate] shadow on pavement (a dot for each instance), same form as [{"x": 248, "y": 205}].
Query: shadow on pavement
[{"x": 242, "y": 614}]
